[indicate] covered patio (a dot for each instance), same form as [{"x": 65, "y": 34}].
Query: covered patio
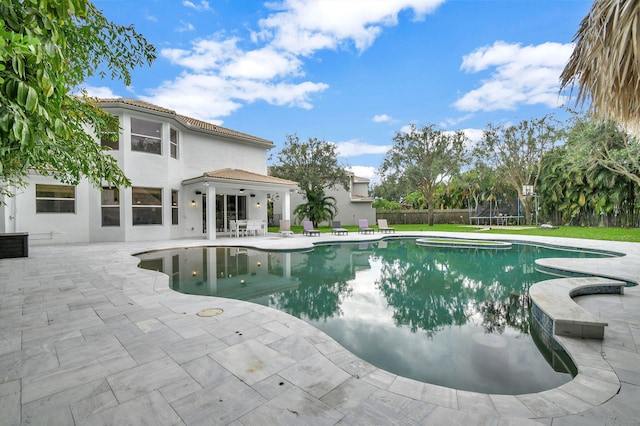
[{"x": 241, "y": 202}]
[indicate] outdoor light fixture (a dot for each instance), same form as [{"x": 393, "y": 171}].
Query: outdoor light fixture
[
  {"x": 194, "y": 273},
  {"x": 193, "y": 203},
  {"x": 241, "y": 190},
  {"x": 257, "y": 205}
]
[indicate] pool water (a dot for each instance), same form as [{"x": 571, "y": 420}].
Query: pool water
[{"x": 455, "y": 317}]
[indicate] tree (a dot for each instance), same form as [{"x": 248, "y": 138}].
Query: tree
[
  {"x": 384, "y": 204},
  {"x": 574, "y": 186},
  {"x": 318, "y": 208},
  {"x": 604, "y": 63},
  {"x": 47, "y": 49},
  {"x": 604, "y": 143},
  {"x": 475, "y": 184},
  {"x": 314, "y": 165},
  {"x": 516, "y": 152},
  {"x": 423, "y": 158}
]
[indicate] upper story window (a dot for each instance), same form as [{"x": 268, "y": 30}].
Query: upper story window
[
  {"x": 146, "y": 136},
  {"x": 173, "y": 142},
  {"x": 147, "y": 206},
  {"x": 110, "y": 137},
  {"x": 55, "y": 198}
]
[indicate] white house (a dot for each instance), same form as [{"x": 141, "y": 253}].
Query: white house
[
  {"x": 352, "y": 205},
  {"x": 189, "y": 179}
]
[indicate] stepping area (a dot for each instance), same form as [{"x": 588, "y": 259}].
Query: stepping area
[{"x": 555, "y": 309}]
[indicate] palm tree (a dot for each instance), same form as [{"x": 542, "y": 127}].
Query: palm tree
[
  {"x": 318, "y": 208},
  {"x": 604, "y": 64}
]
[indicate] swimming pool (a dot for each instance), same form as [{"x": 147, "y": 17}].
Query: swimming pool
[{"x": 456, "y": 317}]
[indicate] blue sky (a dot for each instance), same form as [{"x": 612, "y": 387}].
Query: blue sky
[{"x": 350, "y": 72}]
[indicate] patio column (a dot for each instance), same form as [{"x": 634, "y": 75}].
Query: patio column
[
  {"x": 211, "y": 212},
  {"x": 286, "y": 206}
]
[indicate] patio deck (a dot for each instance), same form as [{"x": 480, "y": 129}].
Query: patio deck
[{"x": 86, "y": 337}]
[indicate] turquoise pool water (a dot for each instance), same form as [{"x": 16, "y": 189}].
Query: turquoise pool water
[{"x": 456, "y": 317}]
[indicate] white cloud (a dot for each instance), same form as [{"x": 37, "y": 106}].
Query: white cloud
[
  {"x": 222, "y": 73},
  {"x": 184, "y": 27},
  {"x": 354, "y": 148},
  {"x": 202, "y": 6},
  {"x": 405, "y": 129},
  {"x": 209, "y": 97},
  {"x": 304, "y": 26},
  {"x": 100, "y": 92},
  {"x": 521, "y": 75},
  {"x": 263, "y": 64},
  {"x": 368, "y": 172},
  {"x": 381, "y": 118},
  {"x": 474, "y": 135},
  {"x": 205, "y": 54},
  {"x": 150, "y": 18},
  {"x": 449, "y": 122}
]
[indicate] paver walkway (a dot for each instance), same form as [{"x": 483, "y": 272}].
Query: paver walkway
[{"x": 87, "y": 338}]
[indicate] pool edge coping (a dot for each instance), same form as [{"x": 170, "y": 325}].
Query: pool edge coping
[{"x": 588, "y": 375}]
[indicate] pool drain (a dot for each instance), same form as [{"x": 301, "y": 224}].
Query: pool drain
[{"x": 212, "y": 312}]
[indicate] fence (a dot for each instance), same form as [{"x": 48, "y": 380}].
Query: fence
[{"x": 451, "y": 216}]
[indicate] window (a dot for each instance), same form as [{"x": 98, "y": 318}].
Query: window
[
  {"x": 110, "y": 207},
  {"x": 174, "y": 207},
  {"x": 109, "y": 137},
  {"x": 147, "y": 206},
  {"x": 173, "y": 142},
  {"x": 146, "y": 136},
  {"x": 55, "y": 199}
]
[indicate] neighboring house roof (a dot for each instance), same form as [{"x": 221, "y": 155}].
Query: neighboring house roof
[
  {"x": 360, "y": 179},
  {"x": 237, "y": 175},
  {"x": 188, "y": 122}
]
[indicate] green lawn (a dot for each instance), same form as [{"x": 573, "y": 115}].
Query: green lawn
[{"x": 611, "y": 234}]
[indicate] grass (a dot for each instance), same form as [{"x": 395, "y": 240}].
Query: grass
[{"x": 608, "y": 234}]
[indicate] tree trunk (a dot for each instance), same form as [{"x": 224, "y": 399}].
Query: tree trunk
[
  {"x": 526, "y": 204},
  {"x": 430, "y": 213}
]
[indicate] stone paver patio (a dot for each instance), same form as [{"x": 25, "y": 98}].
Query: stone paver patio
[{"x": 87, "y": 338}]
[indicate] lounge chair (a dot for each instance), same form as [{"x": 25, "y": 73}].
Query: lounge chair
[
  {"x": 285, "y": 228},
  {"x": 308, "y": 228},
  {"x": 337, "y": 229},
  {"x": 384, "y": 227},
  {"x": 363, "y": 227}
]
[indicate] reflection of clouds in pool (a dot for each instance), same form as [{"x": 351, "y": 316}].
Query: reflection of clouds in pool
[
  {"x": 490, "y": 340},
  {"x": 365, "y": 302}
]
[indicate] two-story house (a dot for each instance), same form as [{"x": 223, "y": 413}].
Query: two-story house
[
  {"x": 190, "y": 179},
  {"x": 352, "y": 204}
]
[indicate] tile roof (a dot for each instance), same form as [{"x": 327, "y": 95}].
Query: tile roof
[
  {"x": 187, "y": 121},
  {"x": 243, "y": 175}
]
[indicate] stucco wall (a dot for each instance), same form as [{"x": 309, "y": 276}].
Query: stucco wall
[{"x": 198, "y": 153}]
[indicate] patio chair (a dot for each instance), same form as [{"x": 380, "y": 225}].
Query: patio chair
[
  {"x": 337, "y": 229},
  {"x": 234, "y": 228},
  {"x": 285, "y": 228},
  {"x": 308, "y": 228},
  {"x": 254, "y": 227},
  {"x": 363, "y": 227},
  {"x": 384, "y": 228}
]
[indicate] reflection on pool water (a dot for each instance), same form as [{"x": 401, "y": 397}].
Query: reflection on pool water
[{"x": 456, "y": 317}]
